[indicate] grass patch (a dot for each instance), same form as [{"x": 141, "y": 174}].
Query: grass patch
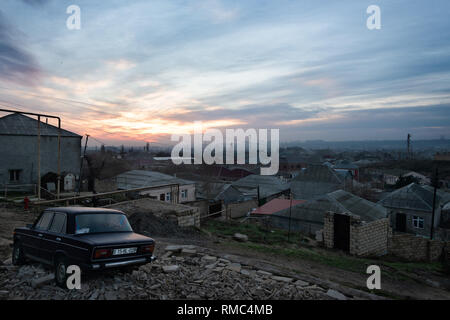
[
  {"x": 415, "y": 266},
  {"x": 255, "y": 233},
  {"x": 274, "y": 242}
]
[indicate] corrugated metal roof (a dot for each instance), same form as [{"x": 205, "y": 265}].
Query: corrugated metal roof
[
  {"x": 338, "y": 201},
  {"x": 143, "y": 178},
  {"x": 412, "y": 196},
  {"x": 268, "y": 185},
  {"x": 318, "y": 173},
  {"x": 18, "y": 124}
]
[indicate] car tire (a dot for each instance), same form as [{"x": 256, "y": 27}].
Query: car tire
[
  {"x": 17, "y": 255},
  {"x": 61, "y": 272}
]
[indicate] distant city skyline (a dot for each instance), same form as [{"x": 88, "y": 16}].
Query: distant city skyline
[{"x": 140, "y": 71}]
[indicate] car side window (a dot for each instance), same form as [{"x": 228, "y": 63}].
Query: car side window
[
  {"x": 59, "y": 223},
  {"x": 44, "y": 221}
]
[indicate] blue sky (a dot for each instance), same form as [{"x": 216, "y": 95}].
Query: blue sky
[{"x": 141, "y": 70}]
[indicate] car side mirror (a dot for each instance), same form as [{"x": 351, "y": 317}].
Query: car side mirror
[{"x": 30, "y": 226}]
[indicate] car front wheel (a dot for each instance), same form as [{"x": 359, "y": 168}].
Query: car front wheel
[
  {"x": 17, "y": 256},
  {"x": 61, "y": 272}
]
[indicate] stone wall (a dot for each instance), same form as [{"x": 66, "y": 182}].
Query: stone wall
[
  {"x": 190, "y": 220},
  {"x": 412, "y": 248}
]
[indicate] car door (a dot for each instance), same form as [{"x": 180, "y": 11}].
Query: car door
[
  {"x": 40, "y": 230},
  {"x": 53, "y": 238}
]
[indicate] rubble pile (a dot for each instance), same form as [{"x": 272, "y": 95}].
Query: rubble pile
[
  {"x": 150, "y": 224},
  {"x": 182, "y": 272}
]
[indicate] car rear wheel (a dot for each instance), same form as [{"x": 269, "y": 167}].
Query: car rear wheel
[
  {"x": 17, "y": 256},
  {"x": 61, "y": 272}
]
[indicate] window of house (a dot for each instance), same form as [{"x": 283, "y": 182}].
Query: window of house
[
  {"x": 184, "y": 193},
  {"x": 14, "y": 175},
  {"x": 168, "y": 196},
  {"x": 418, "y": 222}
]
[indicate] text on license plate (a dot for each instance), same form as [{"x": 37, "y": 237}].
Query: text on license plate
[{"x": 124, "y": 251}]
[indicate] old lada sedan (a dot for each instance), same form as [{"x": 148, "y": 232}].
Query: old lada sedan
[{"x": 91, "y": 238}]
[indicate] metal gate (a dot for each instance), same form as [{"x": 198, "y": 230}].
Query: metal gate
[{"x": 342, "y": 232}]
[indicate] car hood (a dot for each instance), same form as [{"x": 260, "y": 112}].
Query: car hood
[{"x": 114, "y": 238}]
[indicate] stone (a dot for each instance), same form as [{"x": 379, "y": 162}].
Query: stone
[
  {"x": 225, "y": 261},
  {"x": 188, "y": 252},
  {"x": 245, "y": 272},
  {"x": 234, "y": 267},
  {"x": 7, "y": 262},
  {"x": 336, "y": 294},
  {"x": 211, "y": 266},
  {"x": 209, "y": 258},
  {"x": 432, "y": 283},
  {"x": 264, "y": 273},
  {"x": 94, "y": 295},
  {"x": 36, "y": 283},
  {"x": 218, "y": 269},
  {"x": 174, "y": 248},
  {"x": 300, "y": 283},
  {"x": 240, "y": 237},
  {"x": 170, "y": 269},
  {"x": 282, "y": 279}
]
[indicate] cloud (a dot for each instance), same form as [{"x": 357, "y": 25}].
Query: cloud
[{"x": 16, "y": 64}]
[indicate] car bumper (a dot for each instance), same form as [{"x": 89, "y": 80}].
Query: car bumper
[{"x": 121, "y": 263}]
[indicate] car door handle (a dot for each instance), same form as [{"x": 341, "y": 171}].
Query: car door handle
[
  {"x": 40, "y": 235},
  {"x": 58, "y": 239}
]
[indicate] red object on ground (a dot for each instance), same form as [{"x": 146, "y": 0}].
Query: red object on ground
[
  {"x": 276, "y": 205},
  {"x": 26, "y": 202}
]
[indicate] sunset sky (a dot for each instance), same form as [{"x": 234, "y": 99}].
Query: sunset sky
[{"x": 138, "y": 71}]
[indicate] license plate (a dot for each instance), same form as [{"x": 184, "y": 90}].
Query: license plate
[{"x": 124, "y": 251}]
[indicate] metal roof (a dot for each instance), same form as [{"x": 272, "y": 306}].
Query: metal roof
[
  {"x": 19, "y": 125},
  {"x": 144, "y": 178},
  {"x": 412, "y": 196},
  {"x": 268, "y": 185},
  {"x": 338, "y": 201}
]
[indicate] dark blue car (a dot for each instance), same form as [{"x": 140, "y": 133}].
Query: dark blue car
[{"x": 91, "y": 238}]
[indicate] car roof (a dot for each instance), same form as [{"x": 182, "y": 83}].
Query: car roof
[{"x": 78, "y": 210}]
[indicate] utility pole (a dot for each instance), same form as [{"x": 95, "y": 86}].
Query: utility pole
[
  {"x": 39, "y": 156},
  {"x": 81, "y": 165},
  {"x": 290, "y": 215},
  {"x": 408, "y": 146},
  {"x": 435, "y": 182}
]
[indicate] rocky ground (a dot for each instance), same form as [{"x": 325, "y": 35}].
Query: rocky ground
[{"x": 182, "y": 272}]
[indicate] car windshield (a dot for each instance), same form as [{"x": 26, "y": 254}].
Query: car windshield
[{"x": 101, "y": 222}]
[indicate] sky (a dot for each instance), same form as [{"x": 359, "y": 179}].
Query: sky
[{"x": 139, "y": 71}]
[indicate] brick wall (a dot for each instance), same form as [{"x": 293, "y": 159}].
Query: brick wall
[
  {"x": 366, "y": 238},
  {"x": 369, "y": 238},
  {"x": 412, "y": 248},
  {"x": 328, "y": 230},
  {"x": 240, "y": 209}
]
